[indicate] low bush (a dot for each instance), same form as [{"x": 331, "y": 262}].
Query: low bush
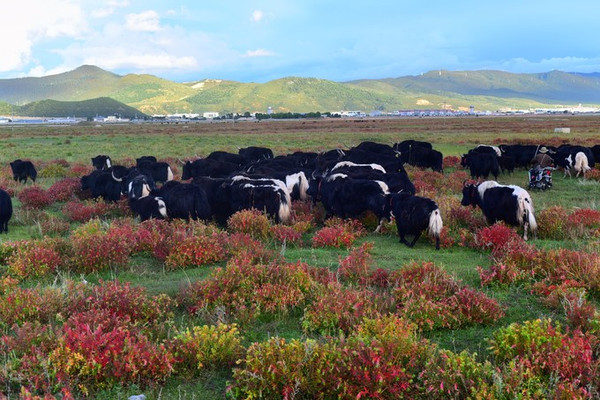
[
  {"x": 246, "y": 291},
  {"x": 338, "y": 233},
  {"x": 286, "y": 234},
  {"x": 34, "y": 197},
  {"x": 83, "y": 211},
  {"x": 496, "y": 238},
  {"x": 546, "y": 351},
  {"x": 337, "y": 308},
  {"x": 251, "y": 222},
  {"x": 34, "y": 259},
  {"x": 20, "y": 305},
  {"x": 206, "y": 347},
  {"x": 196, "y": 251},
  {"x": 428, "y": 296},
  {"x": 94, "y": 250},
  {"x": 64, "y": 190},
  {"x": 100, "y": 350},
  {"x": 448, "y": 375},
  {"x": 355, "y": 268}
]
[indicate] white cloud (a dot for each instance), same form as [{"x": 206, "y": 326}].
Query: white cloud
[
  {"x": 144, "y": 62},
  {"x": 109, "y": 8},
  {"x": 30, "y": 22},
  {"x": 259, "y": 53},
  {"x": 257, "y": 16},
  {"x": 171, "y": 50},
  {"x": 147, "y": 21}
]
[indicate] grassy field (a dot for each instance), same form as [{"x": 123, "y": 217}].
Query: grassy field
[{"x": 452, "y": 136}]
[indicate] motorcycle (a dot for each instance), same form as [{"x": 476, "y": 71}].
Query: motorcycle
[{"x": 540, "y": 178}]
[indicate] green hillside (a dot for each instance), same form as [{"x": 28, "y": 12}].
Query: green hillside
[
  {"x": 5, "y": 108},
  {"x": 551, "y": 87},
  {"x": 486, "y": 90},
  {"x": 103, "y": 106}
]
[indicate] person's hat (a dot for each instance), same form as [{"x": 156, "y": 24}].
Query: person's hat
[{"x": 543, "y": 149}]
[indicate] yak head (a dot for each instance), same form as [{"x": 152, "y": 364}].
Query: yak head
[{"x": 470, "y": 194}]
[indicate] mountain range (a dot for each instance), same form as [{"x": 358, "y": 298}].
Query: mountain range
[{"x": 88, "y": 91}]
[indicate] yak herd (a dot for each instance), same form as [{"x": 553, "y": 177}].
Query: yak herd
[{"x": 349, "y": 182}]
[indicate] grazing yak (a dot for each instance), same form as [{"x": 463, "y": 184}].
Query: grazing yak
[
  {"x": 347, "y": 197},
  {"x": 22, "y": 170},
  {"x": 142, "y": 203},
  {"x": 101, "y": 162},
  {"x": 6, "y": 210},
  {"x": 413, "y": 215},
  {"x": 511, "y": 204}
]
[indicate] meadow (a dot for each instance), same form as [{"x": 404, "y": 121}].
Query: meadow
[{"x": 95, "y": 304}]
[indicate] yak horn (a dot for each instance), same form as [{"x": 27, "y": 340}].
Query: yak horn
[{"x": 115, "y": 178}]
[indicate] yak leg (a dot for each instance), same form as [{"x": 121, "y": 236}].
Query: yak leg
[
  {"x": 417, "y": 236},
  {"x": 525, "y": 228}
]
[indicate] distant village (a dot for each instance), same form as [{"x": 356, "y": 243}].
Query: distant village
[{"x": 270, "y": 114}]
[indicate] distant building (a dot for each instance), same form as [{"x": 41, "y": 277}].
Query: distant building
[{"x": 211, "y": 115}]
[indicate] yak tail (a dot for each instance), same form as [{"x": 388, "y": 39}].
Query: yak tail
[
  {"x": 285, "y": 209},
  {"x": 162, "y": 208},
  {"x": 581, "y": 163},
  {"x": 526, "y": 217},
  {"x": 435, "y": 223},
  {"x": 530, "y": 216},
  {"x": 303, "y": 186}
]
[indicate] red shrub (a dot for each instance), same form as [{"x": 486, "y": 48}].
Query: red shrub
[
  {"x": 551, "y": 222},
  {"x": 32, "y": 304},
  {"x": 340, "y": 309},
  {"x": 95, "y": 250},
  {"x": 356, "y": 266},
  {"x": 465, "y": 217},
  {"x": 428, "y": 296},
  {"x": 99, "y": 349},
  {"x": 547, "y": 351},
  {"x": 79, "y": 170},
  {"x": 381, "y": 360},
  {"x": 286, "y": 234},
  {"x": 496, "y": 238},
  {"x": 123, "y": 300},
  {"x": 64, "y": 189},
  {"x": 156, "y": 237},
  {"x": 451, "y": 162},
  {"x": 78, "y": 211},
  {"x": 583, "y": 222},
  {"x": 338, "y": 233},
  {"x": 247, "y": 290},
  {"x": 454, "y": 181},
  {"x": 34, "y": 197},
  {"x": 25, "y": 351},
  {"x": 195, "y": 251},
  {"x": 305, "y": 215},
  {"x": 51, "y": 225},
  {"x": 34, "y": 259},
  {"x": 501, "y": 275},
  {"x": 584, "y": 216},
  {"x": 248, "y": 250},
  {"x": 253, "y": 222},
  {"x": 446, "y": 240}
]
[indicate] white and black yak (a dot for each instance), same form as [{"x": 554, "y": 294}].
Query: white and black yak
[
  {"x": 510, "y": 204},
  {"x": 413, "y": 215}
]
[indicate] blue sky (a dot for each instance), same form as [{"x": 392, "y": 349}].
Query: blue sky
[{"x": 257, "y": 41}]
